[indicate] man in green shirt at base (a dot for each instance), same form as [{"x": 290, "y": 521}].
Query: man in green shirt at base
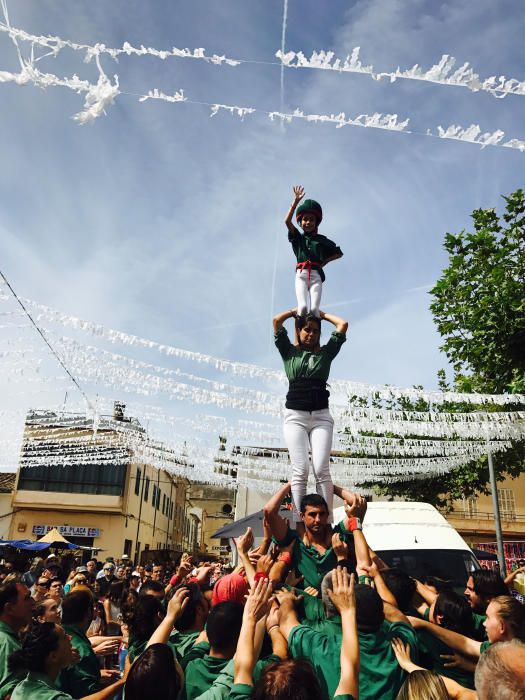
[
  {"x": 84, "y": 677},
  {"x": 314, "y": 553},
  {"x": 15, "y": 612}
]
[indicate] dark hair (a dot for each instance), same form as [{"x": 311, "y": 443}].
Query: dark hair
[
  {"x": 456, "y": 612},
  {"x": 129, "y": 597},
  {"x": 312, "y": 499},
  {"x": 293, "y": 679},
  {"x": 369, "y": 608},
  {"x": 154, "y": 668},
  {"x": 440, "y": 584},
  {"x": 8, "y": 594},
  {"x": 401, "y": 585},
  {"x": 488, "y": 584},
  {"x": 224, "y": 625},
  {"x": 143, "y": 618},
  {"x": 187, "y": 617},
  {"x": 303, "y": 320},
  {"x": 39, "y": 642},
  {"x": 153, "y": 586},
  {"x": 76, "y": 605},
  {"x": 116, "y": 589}
]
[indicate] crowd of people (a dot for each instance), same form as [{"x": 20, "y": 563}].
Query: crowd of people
[{"x": 309, "y": 613}]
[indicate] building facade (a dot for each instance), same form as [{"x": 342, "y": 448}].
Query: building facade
[
  {"x": 96, "y": 487},
  {"x": 473, "y": 517},
  {"x": 7, "y": 485}
]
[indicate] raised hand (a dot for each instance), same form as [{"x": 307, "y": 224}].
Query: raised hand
[
  {"x": 339, "y": 546},
  {"x": 245, "y": 542},
  {"x": 185, "y": 568},
  {"x": 342, "y": 595},
  {"x": 298, "y": 191},
  {"x": 357, "y": 509},
  {"x": 258, "y": 602},
  {"x": 312, "y": 591},
  {"x": 264, "y": 563},
  {"x": 402, "y": 652},
  {"x": 178, "y": 602}
]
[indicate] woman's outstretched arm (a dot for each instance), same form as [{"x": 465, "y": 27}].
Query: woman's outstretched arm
[{"x": 341, "y": 326}]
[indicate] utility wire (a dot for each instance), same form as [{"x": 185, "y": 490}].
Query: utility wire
[{"x": 46, "y": 341}]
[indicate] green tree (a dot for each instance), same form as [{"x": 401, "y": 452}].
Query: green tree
[
  {"x": 479, "y": 309},
  {"x": 479, "y": 301}
]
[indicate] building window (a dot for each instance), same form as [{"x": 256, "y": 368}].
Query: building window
[
  {"x": 146, "y": 489},
  {"x": 507, "y": 505},
  {"x": 138, "y": 477},
  {"x": 470, "y": 507},
  {"x": 127, "y": 547},
  {"x": 98, "y": 479},
  {"x": 163, "y": 504}
]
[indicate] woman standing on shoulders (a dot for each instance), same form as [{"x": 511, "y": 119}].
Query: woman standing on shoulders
[{"x": 308, "y": 425}]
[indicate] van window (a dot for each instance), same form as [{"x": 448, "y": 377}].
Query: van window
[{"x": 454, "y": 565}]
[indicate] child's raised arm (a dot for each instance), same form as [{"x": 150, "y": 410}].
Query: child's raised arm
[{"x": 298, "y": 191}]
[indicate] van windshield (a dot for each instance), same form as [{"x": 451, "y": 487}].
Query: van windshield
[{"x": 454, "y": 565}]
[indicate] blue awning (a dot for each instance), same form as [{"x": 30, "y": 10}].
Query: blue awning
[{"x": 37, "y": 546}]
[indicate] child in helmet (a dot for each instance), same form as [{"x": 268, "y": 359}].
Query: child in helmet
[{"x": 312, "y": 250}]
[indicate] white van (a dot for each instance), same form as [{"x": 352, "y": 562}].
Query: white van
[{"x": 416, "y": 538}]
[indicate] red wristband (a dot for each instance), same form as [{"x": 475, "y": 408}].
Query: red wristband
[
  {"x": 285, "y": 557},
  {"x": 352, "y": 524},
  {"x": 259, "y": 575}
]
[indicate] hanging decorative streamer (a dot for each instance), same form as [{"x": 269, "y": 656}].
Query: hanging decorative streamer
[
  {"x": 101, "y": 95},
  {"x": 382, "y": 391},
  {"x": 473, "y": 134},
  {"x": 55, "y": 45},
  {"x": 440, "y": 73}
]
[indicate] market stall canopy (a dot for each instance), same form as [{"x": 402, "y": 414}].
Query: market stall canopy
[
  {"x": 37, "y": 546},
  {"x": 54, "y": 538}
]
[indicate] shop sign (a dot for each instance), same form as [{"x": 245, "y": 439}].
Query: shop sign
[{"x": 67, "y": 530}]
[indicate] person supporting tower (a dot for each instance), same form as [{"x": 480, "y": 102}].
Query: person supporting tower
[
  {"x": 308, "y": 425},
  {"x": 312, "y": 250}
]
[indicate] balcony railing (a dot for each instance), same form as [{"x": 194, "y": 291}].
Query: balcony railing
[{"x": 488, "y": 516}]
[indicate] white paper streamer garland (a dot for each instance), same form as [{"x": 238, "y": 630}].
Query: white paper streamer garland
[
  {"x": 349, "y": 388},
  {"x": 440, "y": 73},
  {"x": 101, "y": 95}
]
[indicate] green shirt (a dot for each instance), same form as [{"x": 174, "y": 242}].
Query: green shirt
[
  {"x": 431, "y": 650},
  {"x": 138, "y": 646},
  {"x": 222, "y": 685},
  {"x": 199, "y": 675},
  {"x": 38, "y": 686},
  {"x": 308, "y": 561},
  {"x": 182, "y": 641},
  {"x": 380, "y": 675},
  {"x": 202, "y": 672},
  {"x": 312, "y": 246},
  {"x": 303, "y": 363},
  {"x": 484, "y": 646},
  {"x": 9, "y": 642},
  {"x": 480, "y": 633},
  {"x": 83, "y": 678}
]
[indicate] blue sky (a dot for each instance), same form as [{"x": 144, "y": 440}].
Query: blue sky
[{"x": 162, "y": 222}]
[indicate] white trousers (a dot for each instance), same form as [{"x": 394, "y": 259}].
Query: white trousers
[
  {"x": 308, "y": 292},
  {"x": 306, "y": 432}
]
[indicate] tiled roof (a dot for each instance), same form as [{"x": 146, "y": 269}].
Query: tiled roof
[{"x": 7, "y": 482}]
